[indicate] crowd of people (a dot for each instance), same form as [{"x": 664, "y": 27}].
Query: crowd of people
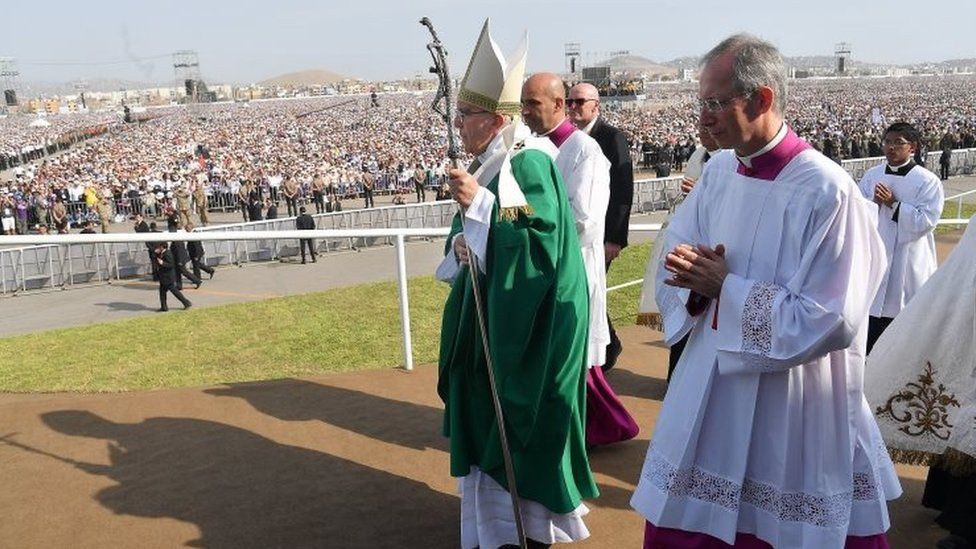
[
  {"x": 252, "y": 157},
  {"x": 240, "y": 156},
  {"x": 843, "y": 118}
]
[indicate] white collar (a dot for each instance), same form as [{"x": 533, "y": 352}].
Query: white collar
[
  {"x": 780, "y": 135},
  {"x": 902, "y": 165},
  {"x": 496, "y": 145},
  {"x": 589, "y": 127}
]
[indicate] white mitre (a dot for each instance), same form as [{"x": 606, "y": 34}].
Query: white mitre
[
  {"x": 495, "y": 85},
  {"x": 490, "y": 82}
]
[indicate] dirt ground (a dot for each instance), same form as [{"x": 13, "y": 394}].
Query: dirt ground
[{"x": 346, "y": 461}]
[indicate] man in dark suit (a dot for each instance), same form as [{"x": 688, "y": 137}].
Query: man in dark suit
[
  {"x": 195, "y": 249},
  {"x": 167, "y": 277},
  {"x": 304, "y": 222},
  {"x": 141, "y": 227},
  {"x": 583, "y": 107},
  {"x": 181, "y": 257}
]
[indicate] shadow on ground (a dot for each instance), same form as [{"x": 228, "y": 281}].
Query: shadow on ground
[
  {"x": 244, "y": 490},
  {"x": 125, "y": 306},
  {"x": 407, "y": 424}
]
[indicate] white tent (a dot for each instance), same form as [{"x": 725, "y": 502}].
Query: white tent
[{"x": 39, "y": 123}]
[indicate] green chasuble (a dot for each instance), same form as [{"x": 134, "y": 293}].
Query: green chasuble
[{"x": 536, "y": 308}]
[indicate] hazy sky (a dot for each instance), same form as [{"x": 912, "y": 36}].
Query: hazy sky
[{"x": 245, "y": 41}]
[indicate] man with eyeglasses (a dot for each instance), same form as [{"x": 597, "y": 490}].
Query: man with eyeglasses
[
  {"x": 765, "y": 438},
  {"x": 583, "y": 107},
  {"x": 518, "y": 232},
  {"x": 586, "y": 174},
  {"x": 909, "y": 199}
]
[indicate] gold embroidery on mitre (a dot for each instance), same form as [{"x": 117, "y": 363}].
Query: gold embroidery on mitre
[{"x": 922, "y": 407}]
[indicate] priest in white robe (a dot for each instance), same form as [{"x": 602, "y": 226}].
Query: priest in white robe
[
  {"x": 765, "y": 438},
  {"x": 586, "y": 175},
  {"x": 910, "y": 201}
]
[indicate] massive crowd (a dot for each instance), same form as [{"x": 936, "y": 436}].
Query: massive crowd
[
  {"x": 844, "y": 118},
  {"x": 241, "y": 156}
]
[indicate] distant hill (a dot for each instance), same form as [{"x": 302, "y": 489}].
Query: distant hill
[
  {"x": 304, "y": 78},
  {"x": 90, "y": 85},
  {"x": 636, "y": 64},
  {"x": 804, "y": 62}
]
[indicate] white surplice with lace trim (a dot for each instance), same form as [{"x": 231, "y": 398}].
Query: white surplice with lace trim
[{"x": 765, "y": 428}]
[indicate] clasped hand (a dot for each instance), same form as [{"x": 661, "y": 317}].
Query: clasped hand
[
  {"x": 883, "y": 195},
  {"x": 699, "y": 268}
]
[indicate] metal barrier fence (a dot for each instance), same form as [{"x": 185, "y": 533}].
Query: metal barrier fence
[
  {"x": 54, "y": 266},
  {"x": 962, "y": 162},
  {"x": 398, "y": 236}
]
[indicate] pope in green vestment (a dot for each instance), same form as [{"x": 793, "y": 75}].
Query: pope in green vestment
[{"x": 535, "y": 298}]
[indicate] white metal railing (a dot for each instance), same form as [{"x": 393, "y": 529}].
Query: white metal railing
[
  {"x": 958, "y": 198},
  {"x": 64, "y": 265},
  {"x": 399, "y": 236}
]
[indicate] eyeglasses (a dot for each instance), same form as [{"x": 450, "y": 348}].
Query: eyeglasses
[
  {"x": 578, "y": 102},
  {"x": 461, "y": 115},
  {"x": 895, "y": 143},
  {"x": 717, "y": 105}
]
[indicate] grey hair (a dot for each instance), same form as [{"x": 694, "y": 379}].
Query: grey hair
[{"x": 756, "y": 63}]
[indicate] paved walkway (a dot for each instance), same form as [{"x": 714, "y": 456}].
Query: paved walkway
[{"x": 346, "y": 460}]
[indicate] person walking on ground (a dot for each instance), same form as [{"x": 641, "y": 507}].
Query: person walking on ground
[
  {"x": 166, "y": 264},
  {"x": 305, "y": 222},
  {"x": 765, "y": 438},
  {"x": 195, "y": 249},
  {"x": 909, "y": 201},
  {"x": 140, "y": 226},
  {"x": 519, "y": 234},
  {"x": 583, "y": 108},
  {"x": 180, "y": 259},
  {"x": 586, "y": 177}
]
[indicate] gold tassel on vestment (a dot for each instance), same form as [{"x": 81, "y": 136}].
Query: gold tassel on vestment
[
  {"x": 653, "y": 321},
  {"x": 957, "y": 463},
  {"x": 513, "y": 213}
]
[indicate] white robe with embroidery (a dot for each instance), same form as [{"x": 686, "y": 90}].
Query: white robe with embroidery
[
  {"x": 909, "y": 240},
  {"x": 586, "y": 173},
  {"x": 926, "y": 361},
  {"x": 765, "y": 428}
]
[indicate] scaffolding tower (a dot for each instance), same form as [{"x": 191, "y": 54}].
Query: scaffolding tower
[
  {"x": 572, "y": 50},
  {"x": 842, "y": 51},
  {"x": 186, "y": 69},
  {"x": 9, "y": 83}
]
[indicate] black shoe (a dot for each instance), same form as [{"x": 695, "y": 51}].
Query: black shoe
[
  {"x": 197, "y": 284},
  {"x": 187, "y": 306},
  {"x": 315, "y": 260},
  {"x": 211, "y": 274},
  {"x": 162, "y": 310},
  {"x": 303, "y": 262},
  {"x": 613, "y": 353}
]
